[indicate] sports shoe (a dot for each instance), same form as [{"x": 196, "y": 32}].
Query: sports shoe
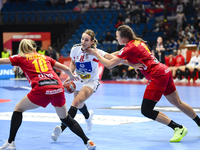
[
  {"x": 184, "y": 80},
  {"x": 90, "y": 145},
  {"x": 56, "y": 133},
  {"x": 177, "y": 80},
  {"x": 197, "y": 81},
  {"x": 179, "y": 133},
  {"x": 191, "y": 80},
  {"x": 89, "y": 120},
  {"x": 8, "y": 146}
]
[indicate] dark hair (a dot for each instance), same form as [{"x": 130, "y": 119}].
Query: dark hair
[{"x": 126, "y": 31}]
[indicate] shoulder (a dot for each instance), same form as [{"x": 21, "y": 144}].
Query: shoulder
[{"x": 76, "y": 46}]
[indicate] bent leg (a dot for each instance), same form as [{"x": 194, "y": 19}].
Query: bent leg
[
  {"x": 67, "y": 120},
  {"x": 16, "y": 120},
  {"x": 174, "y": 99}
]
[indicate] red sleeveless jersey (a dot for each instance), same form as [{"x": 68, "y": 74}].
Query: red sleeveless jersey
[
  {"x": 137, "y": 52},
  {"x": 38, "y": 69}
]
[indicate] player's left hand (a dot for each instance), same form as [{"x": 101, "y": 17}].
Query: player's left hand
[
  {"x": 137, "y": 66},
  {"x": 92, "y": 51}
]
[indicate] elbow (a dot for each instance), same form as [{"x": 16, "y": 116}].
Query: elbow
[{"x": 108, "y": 67}]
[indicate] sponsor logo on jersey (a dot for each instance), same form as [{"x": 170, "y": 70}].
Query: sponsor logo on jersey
[
  {"x": 50, "y": 92},
  {"x": 48, "y": 82}
]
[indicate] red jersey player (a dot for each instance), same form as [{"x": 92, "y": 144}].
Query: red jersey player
[
  {"x": 46, "y": 88},
  {"x": 159, "y": 76}
]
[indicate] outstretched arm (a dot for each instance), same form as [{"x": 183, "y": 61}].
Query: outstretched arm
[
  {"x": 66, "y": 69},
  {"x": 107, "y": 63},
  {"x": 5, "y": 61}
]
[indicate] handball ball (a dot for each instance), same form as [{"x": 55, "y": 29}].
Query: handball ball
[{"x": 70, "y": 87}]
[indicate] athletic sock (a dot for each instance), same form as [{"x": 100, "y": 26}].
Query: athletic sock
[
  {"x": 197, "y": 120},
  {"x": 75, "y": 127},
  {"x": 174, "y": 125},
  {"x": 16, "y": 121},
  {"x": 72, "y": 112},
  {"x": 84, "y": 111}
]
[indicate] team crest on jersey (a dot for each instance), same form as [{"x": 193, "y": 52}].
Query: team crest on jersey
[{"x": 84, "y": 67}]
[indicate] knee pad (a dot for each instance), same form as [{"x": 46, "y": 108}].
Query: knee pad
[{"x": 147, "y": 109}]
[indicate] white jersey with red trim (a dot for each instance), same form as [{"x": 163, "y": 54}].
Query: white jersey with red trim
[{"x": 86, "y": 65}]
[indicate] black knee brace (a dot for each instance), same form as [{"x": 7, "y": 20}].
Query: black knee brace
[{"x": 147, "y": 109}]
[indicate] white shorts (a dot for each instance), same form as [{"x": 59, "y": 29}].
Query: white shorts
[{"x": 92, "y": 84}]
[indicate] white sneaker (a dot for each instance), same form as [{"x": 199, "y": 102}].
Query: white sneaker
[
  {"x": 90, "y": 145},
  {"x": 56, "y": 133},
  {"x": 143, "y": 79},
  {"x": 191, "y": 80},
  {"x": 177, "y": 80},
  {"x": 184, "y": 80},
  {"x": 89, "y": 120},
  {"x": 8, "y": 146},
  {"x": 197, "y": 81}
]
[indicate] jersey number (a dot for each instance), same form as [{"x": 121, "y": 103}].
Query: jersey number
[{"x": 40, "y": 65}]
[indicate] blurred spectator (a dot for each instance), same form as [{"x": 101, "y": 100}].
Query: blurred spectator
[
  {"x": 180, "y": 17},
  {"x": 175, "y": 2},
  {"x": 128, "y": 6},
  {"x": 159, "y": 50},
  {"x": 179, "y": 61},
  {"x": 143, "y": 18},
  {"x": 86, "y": 6},
  {"x": 100, "y": 4},
  {"x": 94, "y": 4},
  {"x": 197, "y": 42},
  {"x": 168, "y": 49},
  {"x": 192, "y": 39},
  {"x": 185, "y": 41},
  {"x": 106, "y": 4},
  {"x": 188, "y": 68},
  {"x": 42, "y": 51},
  {"x": 191, "y": 28},
  {"x": 115, "y": 4},
  {"x": 5, "y": 53},
  {"x": 136, "y": 19},
  {"x": 108, "y": 38},
  {"x": 134, "y": 9},
  {"x": 118, "y": 23},
  {"x": 128, "y": 20},
  {"x": 141, "y": 8},
  {"x": 159, "y": 5},
  {"x": 173, "y": 44},
  {"x": 170, "y": 61},
  {"x": 120, "y": 17},
  {"x": 78, "y": 7},
  {"x": 159, "y": 26},
  {"x": 51, "y": 52},
  {"x": 187, "y": 32},
  {"x": 180, "y": 7},
  {"x": 167, "y": 33},
  {"x": 152, "y": 5}
]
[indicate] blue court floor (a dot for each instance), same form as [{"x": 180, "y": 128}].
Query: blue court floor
[{"x": 118, "y": 123}]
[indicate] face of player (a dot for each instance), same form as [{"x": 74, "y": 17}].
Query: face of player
[
  {"x": 119, "y": 39},
  {"x": 86, "y": 41}
]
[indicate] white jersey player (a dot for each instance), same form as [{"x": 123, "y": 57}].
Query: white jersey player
[{"x": 86, "y": 67}]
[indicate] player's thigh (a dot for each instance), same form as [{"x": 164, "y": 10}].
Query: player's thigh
[
  {"x": 25, "y": 104},
  {"x": 61, "y": 111},
  {"x": 182, "y": 68}
]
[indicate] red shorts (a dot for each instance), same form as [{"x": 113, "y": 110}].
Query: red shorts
[
  {"x": 158, "y": 86},
  {"x": 43, "y": 97}
]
